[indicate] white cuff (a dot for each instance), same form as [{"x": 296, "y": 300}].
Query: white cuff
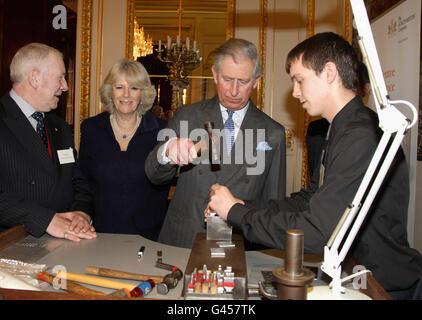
[{"x": 162, "y": 157}]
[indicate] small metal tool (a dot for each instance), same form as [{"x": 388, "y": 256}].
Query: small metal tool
[
  {"x": 159, "y": 256},
  {"x": 141, "y": 252}
]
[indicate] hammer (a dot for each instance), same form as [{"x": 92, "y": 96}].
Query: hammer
[
  {"x": 124, "y": 288},
  {"x": 73, "y": 287},
  {"x": 213, "y": 146},
  {"x": 70, "y": 285},
  {"x": 111, "y": 273},
  {"x": 105, "y": 283},
  {"x": 171, "y": 280}
]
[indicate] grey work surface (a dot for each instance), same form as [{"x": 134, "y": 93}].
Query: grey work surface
[
  {"x": 112, "y": 251},
  {"x": 119, "y": 251}
]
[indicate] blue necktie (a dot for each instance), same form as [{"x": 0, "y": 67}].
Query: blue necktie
[
  {"x": 40, "y": 127},
  {"x": 229, "y": 131}
]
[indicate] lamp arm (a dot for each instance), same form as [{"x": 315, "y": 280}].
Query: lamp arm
[
  {"x": 391, "y": 121},
  {"x": 379, "y": 178}
]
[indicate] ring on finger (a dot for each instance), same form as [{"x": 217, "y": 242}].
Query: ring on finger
[{"x": 65, "y": 234}]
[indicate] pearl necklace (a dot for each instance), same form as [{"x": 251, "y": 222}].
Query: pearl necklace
[{"x": 120, "y": 132}]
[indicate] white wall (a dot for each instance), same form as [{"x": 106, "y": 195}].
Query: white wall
[
  {"x": 111, "y": 43},
  {"x": 286, "y": 27},
  {"x": 418, "y": 210},
  {"x": 397, "y": 37},
  {"x": 108, "y": 41}
]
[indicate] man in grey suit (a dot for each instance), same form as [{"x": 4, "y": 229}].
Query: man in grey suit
[
  {"x": 253, "y": 155},
  {"x": 41, "y": 186}
]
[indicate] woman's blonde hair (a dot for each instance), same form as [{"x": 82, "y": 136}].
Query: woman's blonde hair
[{"x": 136, "y": 75}]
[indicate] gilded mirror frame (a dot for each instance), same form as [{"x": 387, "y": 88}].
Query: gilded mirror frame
[
  {"x": 85, "y": 63},
  {"x": 231, "y": 6},
  {"x": 85, "y": 10},
  {"x": 130, "y": 17}
]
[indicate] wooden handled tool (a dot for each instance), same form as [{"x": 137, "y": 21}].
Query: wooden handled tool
[
  {"x": 105, "y": 283},
  {"x": 111, "y": 273},
  {"x": 70, "y": 285}
]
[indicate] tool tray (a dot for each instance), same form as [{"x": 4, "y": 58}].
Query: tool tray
[{"x": 234, "y": 257}]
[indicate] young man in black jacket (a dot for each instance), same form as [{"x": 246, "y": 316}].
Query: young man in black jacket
[{"x": 324, "y": 71}]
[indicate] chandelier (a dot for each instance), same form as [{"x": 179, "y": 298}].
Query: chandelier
[
  {"x": 141, "y": 46},
  {"x": 181, "y": 59}
]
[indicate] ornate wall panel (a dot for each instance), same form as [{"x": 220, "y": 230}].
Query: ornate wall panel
[
  {"x": 262, "y": 47},
  {"x": 310, "y": 30},
  {"x": 85, "y": 63}
]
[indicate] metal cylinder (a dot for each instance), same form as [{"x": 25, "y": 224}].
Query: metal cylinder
[
  {"x": 292, "y": 280},
  {"x": 294, "y": 252}
]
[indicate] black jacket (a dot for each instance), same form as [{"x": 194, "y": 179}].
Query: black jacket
[
  {"x": 33, "y": 186},
  {"x": 125, "y": 200}
]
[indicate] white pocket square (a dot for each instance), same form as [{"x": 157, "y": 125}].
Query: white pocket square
[{"x": 263, "y": 146}]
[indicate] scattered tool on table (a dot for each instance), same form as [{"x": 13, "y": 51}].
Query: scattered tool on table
[
  {"x": 105, "y": 283},
  {"x": 141, "y": 252},
  {"x": 143, "y": 288},
  {"x": 139, "y": 290},
  {"x": 70, "y": 286},
  {"x": 73, "y": 287},
  {"x": 112, "y": 273},
  {"x": 171, "y": 280}
]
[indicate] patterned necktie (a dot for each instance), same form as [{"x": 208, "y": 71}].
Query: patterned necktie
[
  {"x": 40, "y": 127},
  {"x": 229, "y": 131},
  {"x": 323, "y": 158}
]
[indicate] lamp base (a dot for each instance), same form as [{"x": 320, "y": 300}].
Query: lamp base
[{"x": 325, "y": 293}]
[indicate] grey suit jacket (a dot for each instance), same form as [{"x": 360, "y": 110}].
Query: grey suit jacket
[
  {"x": 33, "y": 186},
  {"x": 185, "y": 216}
]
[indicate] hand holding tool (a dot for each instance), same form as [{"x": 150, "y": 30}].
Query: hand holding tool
[{"x": 199, "y": 147}]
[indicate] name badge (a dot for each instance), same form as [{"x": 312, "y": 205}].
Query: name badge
[{"x": 66, "y": 156}]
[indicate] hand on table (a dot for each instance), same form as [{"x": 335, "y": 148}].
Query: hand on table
[
  {"x": 72, "y": 225},
  {"x": 221, "y": 201}
]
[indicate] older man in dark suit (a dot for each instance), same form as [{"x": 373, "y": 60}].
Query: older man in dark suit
[
  {"x": 252, "y": 158},
  {"x": 41, "y": 186}
]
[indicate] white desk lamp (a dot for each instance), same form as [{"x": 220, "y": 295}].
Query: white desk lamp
[{"x": 391, "y": 121}]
